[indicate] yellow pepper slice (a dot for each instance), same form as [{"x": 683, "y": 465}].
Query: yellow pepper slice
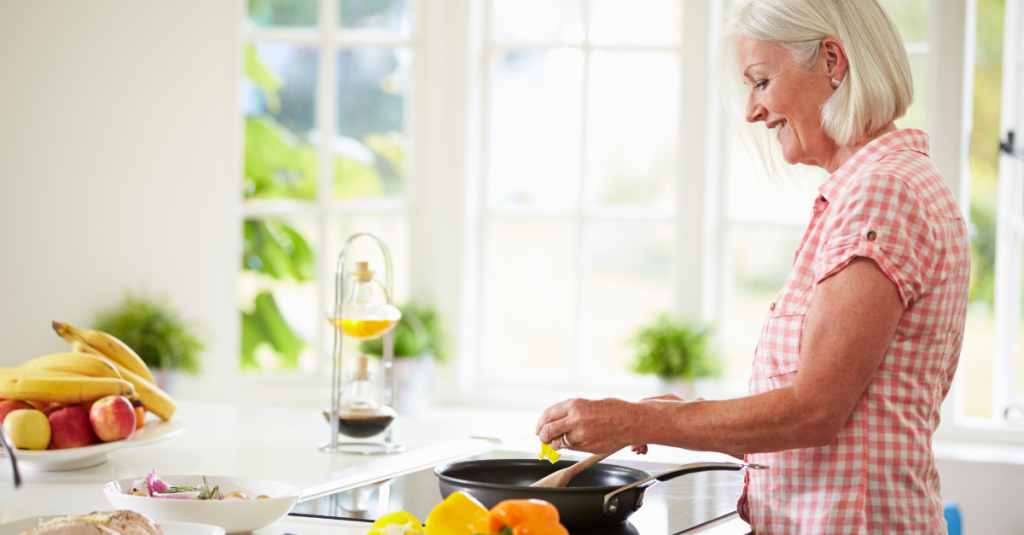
[
  {"x": 458, "y": 514},
  {"x": 547, "y": 451},
  {"x": 398, "y": 523}
]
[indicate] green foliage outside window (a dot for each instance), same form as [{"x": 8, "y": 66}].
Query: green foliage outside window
[{"x": 984, "y": 159}]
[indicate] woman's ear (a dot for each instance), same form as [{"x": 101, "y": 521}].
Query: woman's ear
[{"x": 832, "y": 57}]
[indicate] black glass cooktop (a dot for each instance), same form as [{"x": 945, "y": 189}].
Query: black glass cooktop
[{"x": 671, "y": 507}]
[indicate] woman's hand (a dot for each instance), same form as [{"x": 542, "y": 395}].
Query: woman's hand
[
  {"x": 595, "y": 426},
  {"x": 598, "y": 426}
]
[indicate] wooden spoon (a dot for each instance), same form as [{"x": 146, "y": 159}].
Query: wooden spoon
[{"x": 561, "y": 478}]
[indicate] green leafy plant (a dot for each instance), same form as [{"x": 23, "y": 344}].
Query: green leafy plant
[
  {"x": 420, "y": 330},
  {"x": 673, "y": 348},
  {"x": 155, "y": 330}
]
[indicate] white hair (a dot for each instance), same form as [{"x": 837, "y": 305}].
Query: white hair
[{"x": 877, "y": 89}]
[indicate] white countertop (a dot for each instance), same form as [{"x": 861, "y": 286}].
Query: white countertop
[{"x": 280, "y": 444}]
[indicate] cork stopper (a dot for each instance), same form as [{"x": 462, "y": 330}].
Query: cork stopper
[
  {"x": 362, "y": 367},
  {"x": 361, "y": 270}
]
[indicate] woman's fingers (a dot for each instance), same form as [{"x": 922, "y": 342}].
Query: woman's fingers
[
  {"x": 552, "y": 413},
  {"x": 640, "y": 450},
  {"x": 596, "y": 426}
]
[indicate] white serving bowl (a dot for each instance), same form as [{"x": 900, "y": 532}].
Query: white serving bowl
[{"x": 235, "y": 516}]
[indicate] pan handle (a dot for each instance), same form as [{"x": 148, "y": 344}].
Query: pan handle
[{"x": 611, "y": 500}]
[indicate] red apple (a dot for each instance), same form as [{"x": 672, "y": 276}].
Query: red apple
[
  {"x": 11, "y": 405},
  {"x": 112, "y": 418},
  {"x": 70, "y": 428}
]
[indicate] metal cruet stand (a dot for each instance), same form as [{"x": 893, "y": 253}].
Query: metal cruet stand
[{"x": 367, "y": 448}]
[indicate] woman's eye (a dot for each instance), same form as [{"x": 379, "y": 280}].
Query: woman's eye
[{"x": 760, "y": 84}]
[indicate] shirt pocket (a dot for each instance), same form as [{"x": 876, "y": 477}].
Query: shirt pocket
[{"x": 779, "y": 347}]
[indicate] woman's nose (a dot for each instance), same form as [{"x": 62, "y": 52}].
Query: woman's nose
[{"x": 755, "y": 111}]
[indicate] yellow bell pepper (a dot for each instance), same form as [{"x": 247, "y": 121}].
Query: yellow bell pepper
[
  {"x": 398, "y": 523},
  {"x": 458, "y": 514},
  {"x": 547, "y": 451}
]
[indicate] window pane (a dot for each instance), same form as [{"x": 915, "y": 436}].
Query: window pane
[
  {"x": 530, "y": 295},
  {"x": 293, "y": 13},
  {"x": 534, "y": 156},
  {"x": 752, "y": 196},
  {"x": 388, "y": 15},
  {"x": 545, "y": 21},
  {"x": 915, "y": 115},
  {"x": 758, "y": 261},
  {"x": 632, "y": 128},
  {"x": 636, "y": 22},
  {"x": 279, "y": 101},
  {"x": 627, "y": 281},
  {"x": 277, "y": 294},
  {"x": 371, "y": 148},
  {"x": 977, "y": 360},
  {"x": 911, "y": 18}
]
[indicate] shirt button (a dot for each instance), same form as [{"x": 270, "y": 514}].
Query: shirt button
[
  {"x": 772, "y": 307},
  {"x": 872, "y": 235}
]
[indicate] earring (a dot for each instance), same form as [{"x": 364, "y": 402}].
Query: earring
[{"x": 835, "y": 83}]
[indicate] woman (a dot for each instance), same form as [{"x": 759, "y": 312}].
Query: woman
[{"x": 859, "y": 348}]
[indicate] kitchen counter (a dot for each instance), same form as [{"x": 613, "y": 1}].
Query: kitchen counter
[{"x": 281, "y": 444}]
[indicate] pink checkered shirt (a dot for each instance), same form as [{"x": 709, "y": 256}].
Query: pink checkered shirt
[{"x": 890, "y": 204}]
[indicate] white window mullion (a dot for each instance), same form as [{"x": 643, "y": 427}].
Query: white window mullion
[
  {"x": 473, "y": 363},
  {"x": 325, "y": 121},
  {"x": 582, "y": 203},
  {"x": 1010, "y": 229}
]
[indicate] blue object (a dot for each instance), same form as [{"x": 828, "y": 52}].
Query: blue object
[{"x": 951, "y": 511}]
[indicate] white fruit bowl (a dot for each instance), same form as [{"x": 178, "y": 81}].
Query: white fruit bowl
[
  {"x": 235, "y": 516},
  {"x": 86, "y": 456}
]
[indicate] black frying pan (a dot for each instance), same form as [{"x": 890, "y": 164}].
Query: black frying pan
[{"x": 602, "y": 495}]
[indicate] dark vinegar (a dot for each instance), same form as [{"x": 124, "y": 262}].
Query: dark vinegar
[{"x": 361, "y": 426}]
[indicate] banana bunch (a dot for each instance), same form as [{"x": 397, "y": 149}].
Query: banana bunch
[
  {"x": 98, "y": 355},
  {"x": 60, "y": 385}
]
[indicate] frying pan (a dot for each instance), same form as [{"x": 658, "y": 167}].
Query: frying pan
[{"x": 603, "y": 495}]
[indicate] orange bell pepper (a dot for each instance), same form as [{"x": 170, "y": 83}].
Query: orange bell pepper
[{"x": 525, "y": 517}]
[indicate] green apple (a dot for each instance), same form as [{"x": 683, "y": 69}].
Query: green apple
[{"x": 28, "y": 428}]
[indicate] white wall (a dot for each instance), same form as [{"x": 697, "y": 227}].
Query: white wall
[{"x": 118, "y": 165}]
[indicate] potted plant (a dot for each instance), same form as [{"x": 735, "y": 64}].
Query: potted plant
[
  {"x": 157, "y": 332},
  {"x": 420, "y": 340},
  {"x": 678, "y": 351}
]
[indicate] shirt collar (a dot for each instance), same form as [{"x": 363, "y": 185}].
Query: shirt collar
[{"x": 900, "y": 140}]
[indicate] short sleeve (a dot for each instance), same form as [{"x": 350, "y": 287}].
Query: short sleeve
[{"x": 881, "y": 218}]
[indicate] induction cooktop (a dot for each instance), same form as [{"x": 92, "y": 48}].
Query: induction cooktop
[{"x": 681, "y": 505}]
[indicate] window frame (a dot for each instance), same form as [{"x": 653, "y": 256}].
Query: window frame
[
  {"x": 687, "y": 216},
  {"x": 328, "y": 38}
]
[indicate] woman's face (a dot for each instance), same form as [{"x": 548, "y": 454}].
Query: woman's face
[{"x": 788, "y": 99}]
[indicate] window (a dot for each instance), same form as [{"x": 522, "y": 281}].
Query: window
[
  {"x": 326, "y": 98},
  {"x": 577, "y": 221}
]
